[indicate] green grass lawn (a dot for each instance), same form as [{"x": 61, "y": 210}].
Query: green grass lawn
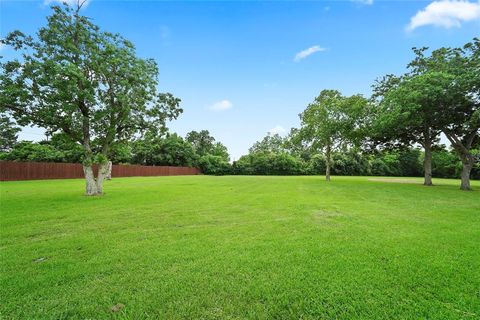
[{"x": 205, "y": 247}]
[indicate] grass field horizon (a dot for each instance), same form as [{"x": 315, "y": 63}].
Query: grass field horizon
[{"x": 240, "y": 247}]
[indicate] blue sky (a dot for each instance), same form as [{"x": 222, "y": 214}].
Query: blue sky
[{"x": 238, "y": 66}]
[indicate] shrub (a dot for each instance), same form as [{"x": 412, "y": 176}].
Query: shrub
[
  {"x": 30, "y": 151},
  {"x": 215, "y": 165}
]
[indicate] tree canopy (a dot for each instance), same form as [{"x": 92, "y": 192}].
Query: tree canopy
[
  {"x": 333, "y": 121},
  {"x": 84, "y": 82},
  {"x": 439, "y": 93},
  {"x": 8, "y": 133}
]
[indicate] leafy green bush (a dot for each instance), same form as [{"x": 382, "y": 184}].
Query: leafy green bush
[
  {"x": 214, "y": 165},
  {"x": 267, "y": 163},
  {"x": 316, "y": 165},
  {"x": 378, "y": 167},
  {"x": 171, "y": 150},
  {"x": 445, "y": 164},
  {"x": 30, "y": 151}
]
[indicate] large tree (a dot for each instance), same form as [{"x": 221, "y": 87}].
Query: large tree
[
  {"x": 461, "y": 121},
  {"x": 271, "y": 143},
  {"x": 170, "y": 150},
  {"x": 405, "y": 115},
  {"x": 90, "y": 85},
  {"x": 451, "y": 80},
  {"x": 205, "y": 144},
  {"x": 201, "y": 141},
  {"x": 334, "y": 121}
]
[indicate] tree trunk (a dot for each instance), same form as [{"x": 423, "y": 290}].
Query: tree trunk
[
  {"x": 91, "y": 185},
  {"x": 109, "y": 173},
  {"x": 467, "y": 162},
  {"x": 427, "y": 164},
  {"x": 464, "y": 153},
  {"x": 327, "y": 163},
  {"x": 102, "y": 175}
]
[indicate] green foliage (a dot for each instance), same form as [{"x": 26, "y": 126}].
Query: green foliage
[
  {"x": 35, "y": 152},
  {"x": 404, "y": 162},
  {"x": 316, "y": 165},
  {"x": 220, "y": 150},
  {"x": 72, "y": 151},
  {"x": 270, "y": 143},
  {"x": 100, "y": 159},
  {"x": 297, "y": 144},
  {"x": 86, "y": 83},
  {"x": 171, "y": 150},
  {"x": 204, "y": 144},
  {"x": 439, "y": 93},
  {"x": 353, "y": 162},
  {"x": 214, "y": 165},
  {"x": 409, "y": 162},
  {"x": 285, "y": 164},
  {"x": 121, "y": 152},
  {"x": 293, "y": 156},
  {"x": 8, "y": 133},
  {"x": 243, "y": 166},
  {"x": 476, "y": 166},
  {"x": 446, "y": 164},
  {"x": 266, "y": 163},
  {"x": 202, "y": 141},
  {"x": 334, "y": 120},
  {"x": 405, "y": 108},
  {"x": 378, "y": 167}
]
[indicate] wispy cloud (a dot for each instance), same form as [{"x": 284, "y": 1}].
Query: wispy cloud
[
  {"x": 446, "y": 14},
  {"x": 164, "y": 32},
  {"x": 307, "y": 52},
  {"x": 221, "y": 105},
  {"x": 270, "y": 85},
  {"x": 277, "y": 130}
]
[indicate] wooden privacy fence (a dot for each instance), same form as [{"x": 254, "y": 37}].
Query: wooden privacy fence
[{"x": 11, "y": 171}]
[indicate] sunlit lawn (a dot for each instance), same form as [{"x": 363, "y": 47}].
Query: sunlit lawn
[{"x": 240, "y": 247}]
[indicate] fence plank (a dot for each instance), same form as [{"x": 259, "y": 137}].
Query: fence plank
[{"x": 11, "y": 170}]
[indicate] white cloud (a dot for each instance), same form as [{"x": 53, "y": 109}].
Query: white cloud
[
  {"x": 307, "y": 52},
  {"x": 277, "y": 130},
  {"x": 446, "y": 14},
  {"x": 221, "y": 105}
]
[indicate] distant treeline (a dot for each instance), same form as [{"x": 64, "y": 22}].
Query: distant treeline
[
  {"x": 197, "y": 149},
  {"x": 273, "y": 155},
  {"x": 406, "y": 162}
]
